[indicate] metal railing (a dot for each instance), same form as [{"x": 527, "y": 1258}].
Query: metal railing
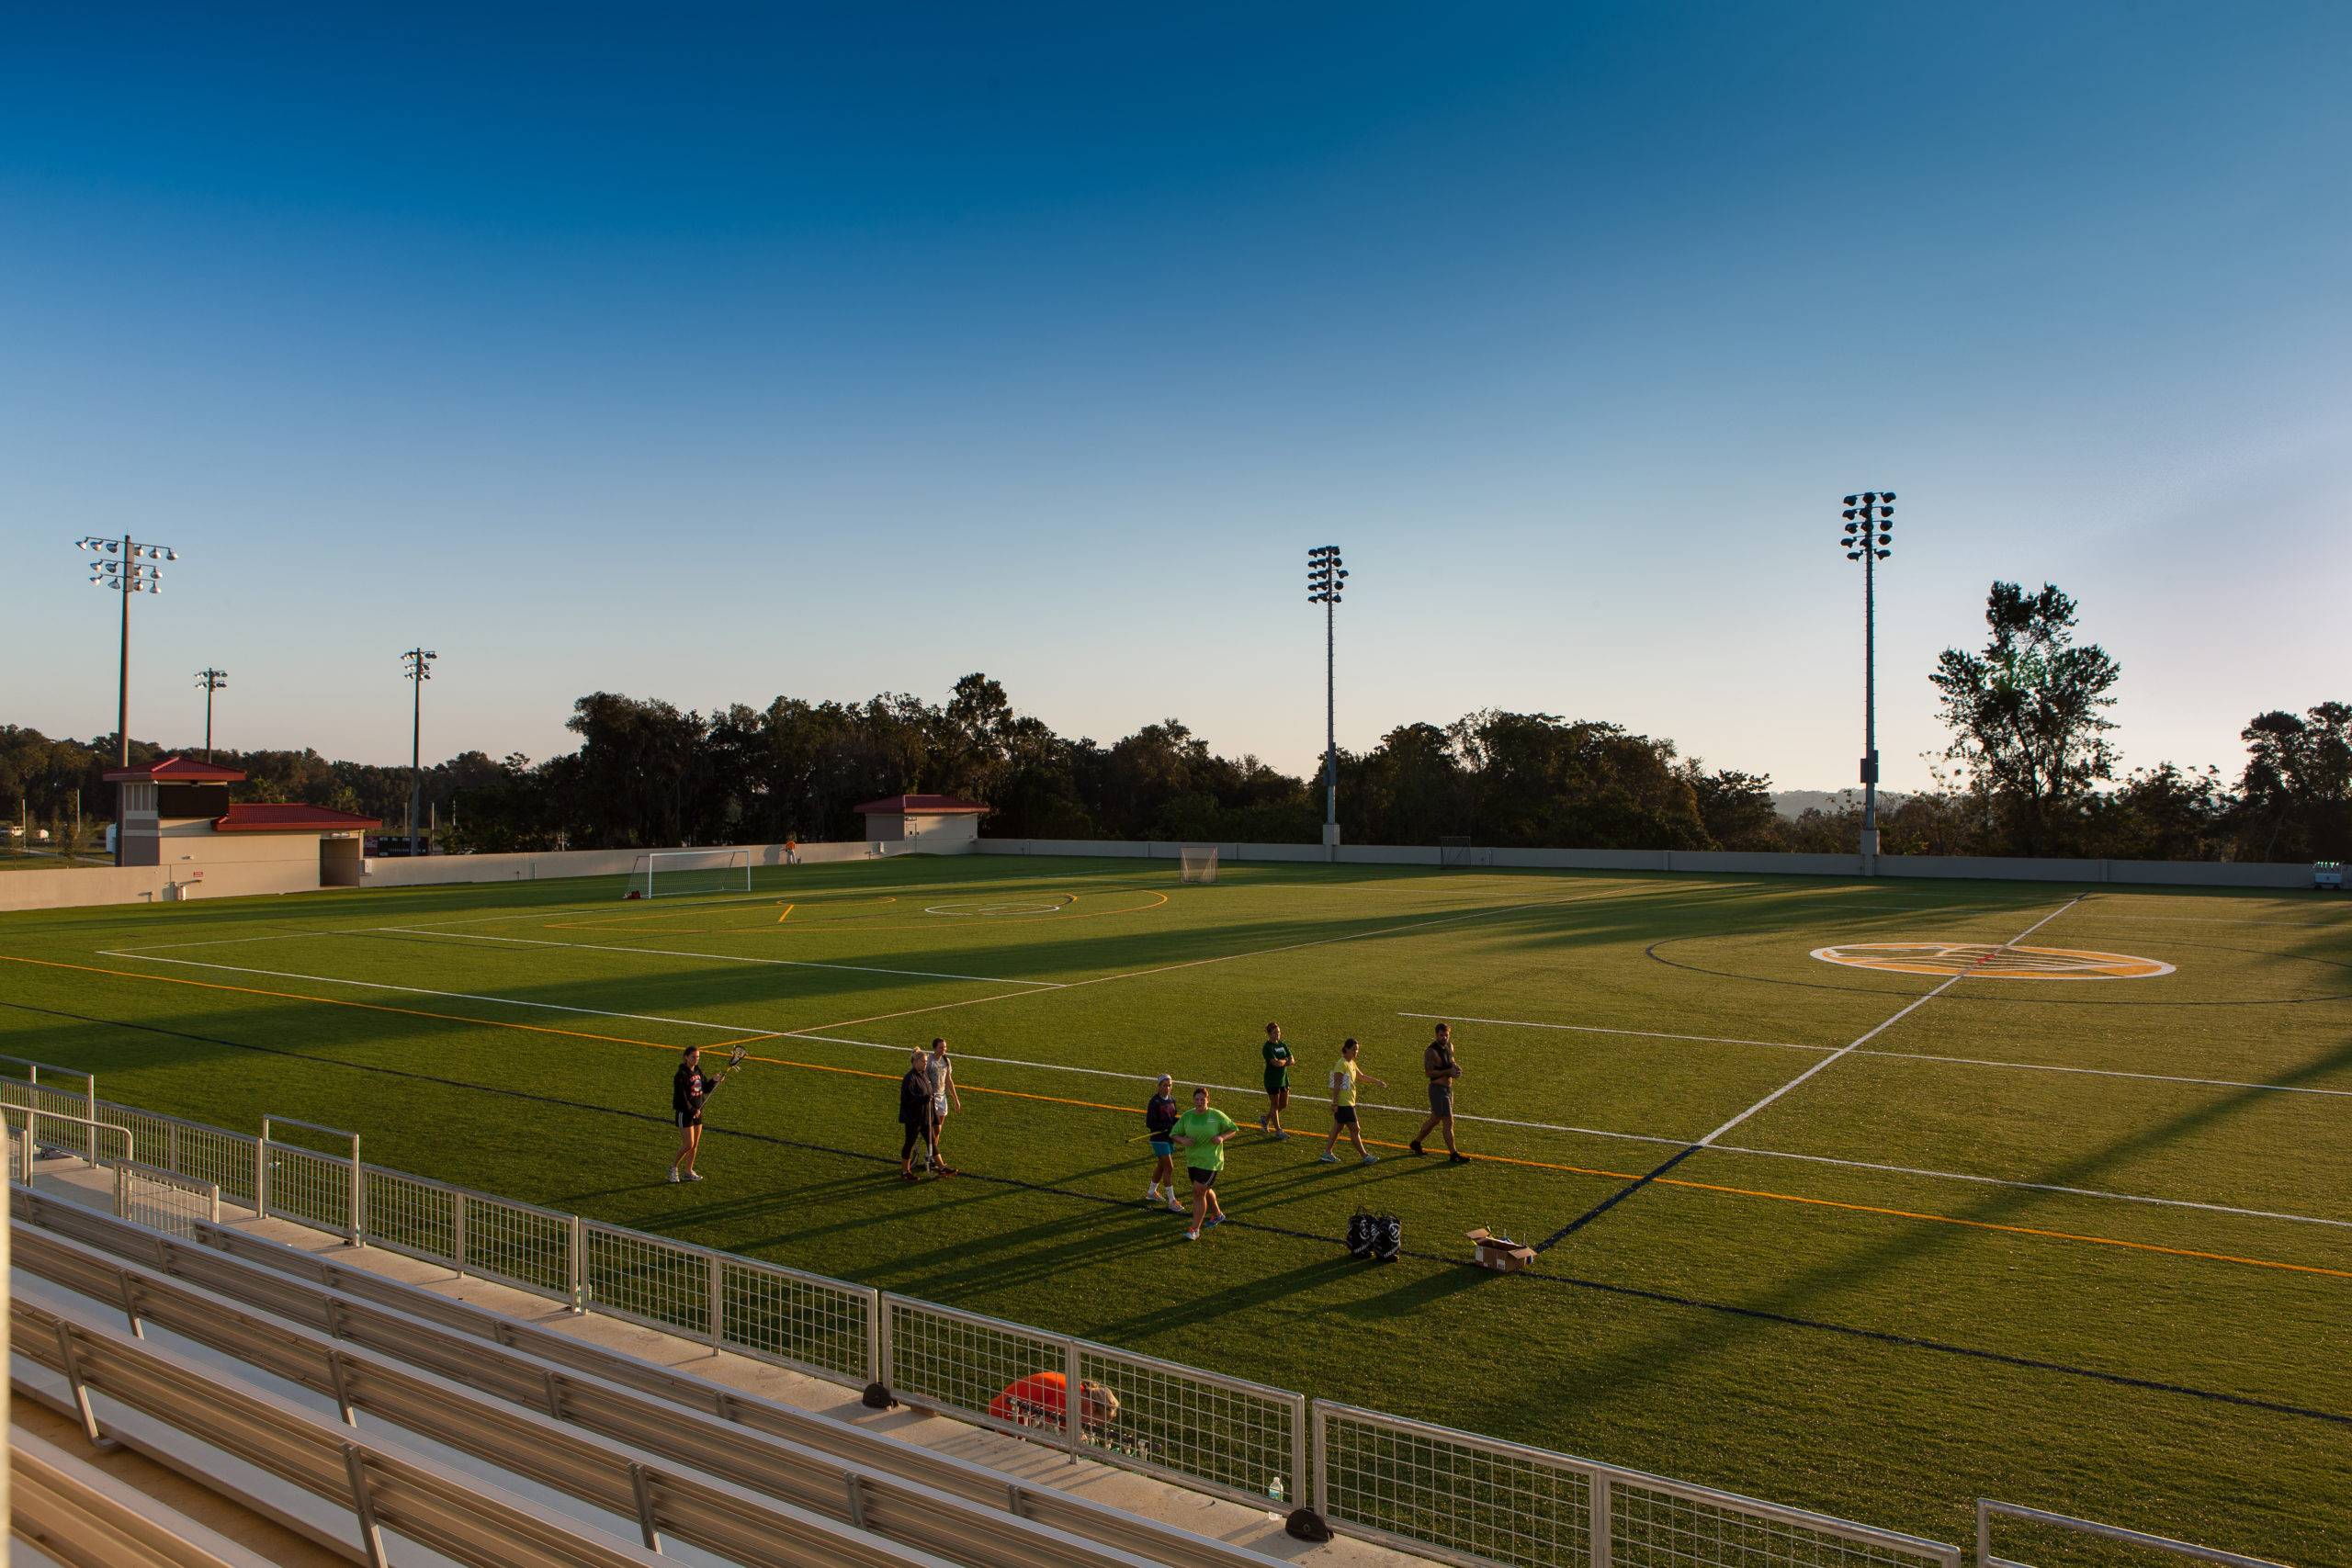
[
  {"x": 1435, "y": 1491},
  {"x": 1986, "y": 1507},
  {"x": 165, "y": 1199},
  {"x": 1477, "y": 1500},
  {"x": 326, "y": 1193}
]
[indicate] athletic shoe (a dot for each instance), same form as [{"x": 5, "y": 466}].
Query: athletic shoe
[
  {"x": 1372, "y": 1159},
  {"x": 1329, "y": 1158},
  {"x": 1263, "y": 1119},
  {"x": 1457, "y": 1160},
  {"x": 1415, "y": 1146},
  {"x": 673, "y": 1173},
  {"x": 949, "y": 1171},
  {"x": 1282, "y": 1138},
  {"x": 694, "y": 1176},
  {"x": 909, "y": 1175},
  {"x": 1217, "y": 1219},
  {"x": 1151, "y": 1193},
  {"x": 1176, "y": 1208},
  {"x": 1192, "y": 1236}
]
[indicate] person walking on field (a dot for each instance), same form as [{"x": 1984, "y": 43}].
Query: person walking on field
[
  {"x": 942, "y": 1096},
  {"x": 1278, "y": 1061},
  {"x": 1344, "y": 1078},
  {"x": 1159, "y": 1121},
  {"x": 1201, "y": 1133},
  {"x": 914, "y": 1112},
  {"x": 1440, "y": 1068},
  {"x": 688, "y": 1089}
]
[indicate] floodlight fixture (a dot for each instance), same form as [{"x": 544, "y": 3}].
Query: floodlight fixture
[{"x": 131, "y": 574}]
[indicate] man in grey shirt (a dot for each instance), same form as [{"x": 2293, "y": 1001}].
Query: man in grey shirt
[{"x": 1440, "y": 1068}]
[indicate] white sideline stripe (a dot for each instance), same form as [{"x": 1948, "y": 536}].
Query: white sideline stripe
[
  {"x": 452, "y": 995},
  {"x": 2219, "y": 921},
  {"x": 1236, "y": 1088},
  {"x": 1892, "y": 1056},
  {"x": 715, "y": 957},
  {"x": 768, "y": 894},
  {"x": 1907, "y": 1011},
  {"x": 2036, "y": 1186},
  {"x": 1592, "y": 1029}
]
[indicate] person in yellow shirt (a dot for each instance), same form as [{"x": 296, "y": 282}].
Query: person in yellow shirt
[{"x": 1344, "y": 1078}]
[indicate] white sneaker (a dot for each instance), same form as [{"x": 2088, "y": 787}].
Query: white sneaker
[
  {"x": 1372, "y": 1159},
  {"x": 1151, "y": 1193},
  {"x": 673, "y": 1173},
  {"x": 1174, "y": 1207},
  {"x": 694, "y": 1176}
]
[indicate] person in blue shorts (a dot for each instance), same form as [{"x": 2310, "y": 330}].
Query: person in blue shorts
[{"x": 1159, "y": 1121}]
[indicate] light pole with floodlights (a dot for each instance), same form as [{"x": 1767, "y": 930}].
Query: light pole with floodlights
[
  {"x": 1870, "y": 523},
  {"x": 132, "y": 570},
  {"x": 212, "y": 681},
  {"x": 1324, "y": 581},
  {"x": 419, "y": 661}
]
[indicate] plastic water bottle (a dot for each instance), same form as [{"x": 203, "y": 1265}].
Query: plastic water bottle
[{"x": 1275, "y": 1491}]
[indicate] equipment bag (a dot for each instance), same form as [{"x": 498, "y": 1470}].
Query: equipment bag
[
  {"x": 1388, "y": 1237},
  {"x": 1360, "y": 1233}
]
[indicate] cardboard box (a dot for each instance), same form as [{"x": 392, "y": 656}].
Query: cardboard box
[{"x": 1499, "y": 1253}]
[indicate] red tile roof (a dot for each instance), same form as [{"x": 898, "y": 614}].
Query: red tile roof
[
  {"x": 922, "y": 805},
  {"x": 258, "y": 817},
  {"x": 174, "y": 770}
]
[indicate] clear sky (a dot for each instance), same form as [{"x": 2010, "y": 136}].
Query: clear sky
[{"x": 711, "y": 354}]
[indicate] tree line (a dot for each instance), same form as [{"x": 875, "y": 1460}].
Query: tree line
[{"x": 2029, "y": 771}]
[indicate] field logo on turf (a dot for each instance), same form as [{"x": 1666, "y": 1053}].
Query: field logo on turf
[{"x": 1991, "y": 961}]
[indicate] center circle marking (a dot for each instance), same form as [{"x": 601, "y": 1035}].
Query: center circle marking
[{"x": 1991, "y": 961}]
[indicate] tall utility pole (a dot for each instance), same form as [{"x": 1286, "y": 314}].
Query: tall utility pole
[
  {"x": 1870, "y": 523},
  {"x": 132, "y": 570},
  {"x": 212, "y": 681},
  {"x": 1324, "y": 581},
  {"x": 419, "y": 661}
]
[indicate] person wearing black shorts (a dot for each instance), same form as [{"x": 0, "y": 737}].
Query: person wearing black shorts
[
  {"x": 914, "y": 1113},
  {"x": 688, "y": 1089}
]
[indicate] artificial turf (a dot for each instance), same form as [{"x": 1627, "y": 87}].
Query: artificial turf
[{"x": 1876, "y": 1338}]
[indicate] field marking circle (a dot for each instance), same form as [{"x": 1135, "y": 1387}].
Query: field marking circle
[
  {"x": 1991, "y": 961},
  {"x": 998, "y": 906}
]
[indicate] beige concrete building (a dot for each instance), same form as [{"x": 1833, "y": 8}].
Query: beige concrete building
[
  {"x": 924, "y": 821},
  {"x": 177, "y": 815}
]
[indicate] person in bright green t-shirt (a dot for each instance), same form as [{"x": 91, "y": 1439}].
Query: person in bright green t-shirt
[{"x": 1200, "y": 1132}]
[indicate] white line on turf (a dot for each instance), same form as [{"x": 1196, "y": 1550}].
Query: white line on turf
[
  {"x": 1890, "y": 1055},
  {"x": 720, "y": 957},
  {"x": 1862, "y": 1040}
]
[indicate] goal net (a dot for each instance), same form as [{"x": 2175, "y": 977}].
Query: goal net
[
  {"x": 1453, "y": 852},
  {"x": 666, "y": 872},
  {"x": 1197, "y": 865}
]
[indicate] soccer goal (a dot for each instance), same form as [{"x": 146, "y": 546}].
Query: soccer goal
[
  {"x": 1453, "y": 852},
  {"x": 1197, "y": 865},
  {"x": 667, "y": 873}
]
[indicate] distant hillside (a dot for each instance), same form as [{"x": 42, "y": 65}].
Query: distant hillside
[{"x": 1795, "y": 803}]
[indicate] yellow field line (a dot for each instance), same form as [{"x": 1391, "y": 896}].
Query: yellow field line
[{"x": 1129, "y": 1111}]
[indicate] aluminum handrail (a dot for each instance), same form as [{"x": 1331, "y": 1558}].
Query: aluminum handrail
[
  {"x": 1986, "y": 1507},
  {"x": 533, "y": 1367},
  {"x": 714, "y": 1515}
]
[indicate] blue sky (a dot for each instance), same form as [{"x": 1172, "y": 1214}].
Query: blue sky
[{"x": 712, "y": 354}]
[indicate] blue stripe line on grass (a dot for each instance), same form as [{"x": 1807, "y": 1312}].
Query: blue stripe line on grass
[
  {"x": 1569, "y": 1280},
  {"x": 1610, "y": 1201}
]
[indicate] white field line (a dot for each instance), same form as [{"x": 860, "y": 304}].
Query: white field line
[
  {"x": 1237, "y": 1089},
  {"x": 2216, "y": 920},
  {"x": 1892, "y": 1056},
  {"x": 2036, "y": 1186},
  {"x": 717, "y": 957},
  {"x": 1906, "y": 1012}
]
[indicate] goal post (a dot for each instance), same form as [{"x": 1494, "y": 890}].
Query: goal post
[
  {"x": 1453, "y": 852},
  {"x": 1197, "y": 865},
  {"x": 665, "y": 873}
]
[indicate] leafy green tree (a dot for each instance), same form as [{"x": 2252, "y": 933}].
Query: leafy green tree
[
  {"x": 2027, "y": 714},
  {"x": 2298, "y": 783}
]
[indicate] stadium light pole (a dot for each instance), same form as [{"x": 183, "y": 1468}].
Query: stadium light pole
[
  {"x": 1324, "y": 581},
  {"x": 212, "y": 681},
  {"x": 132, "y": 570},
  {"x": 1870, "y": 523},
  {"x": 419, "y": 662}
]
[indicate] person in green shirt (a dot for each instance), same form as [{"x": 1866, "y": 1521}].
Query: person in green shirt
[
  {"x": 1201, "y": 1133},
  {"x": 1344, "y": 1078},
  {"x": 1278, "y": 1059}
]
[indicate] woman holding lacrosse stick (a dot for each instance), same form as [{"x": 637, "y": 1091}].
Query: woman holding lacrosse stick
[{"x": 689, "y": 1090}]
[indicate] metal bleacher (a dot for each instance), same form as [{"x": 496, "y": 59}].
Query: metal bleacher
[{"x": 650, "y": 1453}]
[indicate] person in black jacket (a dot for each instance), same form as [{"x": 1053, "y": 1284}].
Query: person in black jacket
[
  {"x": 688, "y": 1089},
  {"x": 1159, "y": 1121},
  {"x": 914, "y": 1112}
]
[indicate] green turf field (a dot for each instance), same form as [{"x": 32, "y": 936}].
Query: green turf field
[{"x": 2081, "y": 1243}]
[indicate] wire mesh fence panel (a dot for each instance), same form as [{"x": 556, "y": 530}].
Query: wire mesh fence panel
[
  {"x": 1465, "y": 1495},
  {"x": 664, "y": 1284},
  {"x": 1236, "y": 1438},
  {"x": 206, "y": 1154},
  {"x": 1001, "y": 1373},
  {"x": 58, "y": 1120},
  {"x": 516, "y": 1243},
  {"x": 819, "y": 1324},
  {"x": 411, "y": 1215},
  {"x": 1651, "y": 1526},
  {"x": 311, "y": 1189},
  {"x": 162, "y": 1200}
]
